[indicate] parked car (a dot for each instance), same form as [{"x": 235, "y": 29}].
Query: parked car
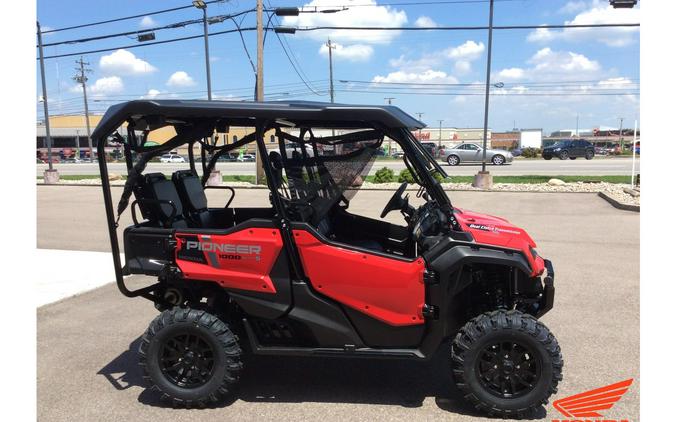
[
  {"x": 228, "y": 157},
  {"x": 246, "y": 158},
  {"x": 472, "y": 153},
  {"x": 171, "y": 158},
  {"x": 398, "y": 155},
  {"x": 72, "y": 160},
  {"x": 571, "y": 149},
  {"x": 517, "y": 152},
  {"x": 600, "y": 150},
  {"x": 431, "y": 147}
]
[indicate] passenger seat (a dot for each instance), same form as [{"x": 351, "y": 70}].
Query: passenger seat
[
  {"x": 191, "y": 192},
  {"x": 157, "y": 187}
]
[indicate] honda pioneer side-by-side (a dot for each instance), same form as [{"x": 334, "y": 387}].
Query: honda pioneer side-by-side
[{"x": 304, "y": 276}]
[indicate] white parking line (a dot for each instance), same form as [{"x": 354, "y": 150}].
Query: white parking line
[{"x": 61, "y": 274}]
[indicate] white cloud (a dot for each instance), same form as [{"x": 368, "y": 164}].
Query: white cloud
[
  {"x": 573, "y": 7},
  {"x": 152, "y": 93},
  {"x": 180, "y": 79},
  {"x": 619, "y": 82},
  {"x": 550, "y": 65},
  {"x": 370, "y": 15},
  {"x": 462, "y": 67},
  {"x": 355, "y": 53},
  {"x": 147, "y": 22},
  {"x": 425, "y": 22},
  {"x": 123, "y": 62},
  {"x": 511, "y": 73},
  {"x": 470, "y": 50},
  {"x": 428, "y": 76},
  {"x": 462, "y": 55},
  {"x": 102, "y": 86},
  {"x": 599, "y": 13}
]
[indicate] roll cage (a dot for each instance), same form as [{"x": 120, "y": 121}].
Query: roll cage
[{"x": 196, "y": 121}]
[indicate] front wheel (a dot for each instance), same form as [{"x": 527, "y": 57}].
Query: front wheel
[
  {"x": 506, "y": 363},
  {"x": 191, "y": 357},
  {"x": 498, "y": 160},
  {"x": 564, "y": 155}
]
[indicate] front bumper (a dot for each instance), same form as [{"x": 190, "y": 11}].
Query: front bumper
[{"x": 547, "y": 296}]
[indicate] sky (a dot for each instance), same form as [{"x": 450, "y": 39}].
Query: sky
[{"x": 540, "y": 78}]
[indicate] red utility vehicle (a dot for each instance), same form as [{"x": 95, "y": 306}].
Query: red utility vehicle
[{"x": 305, "y": 276}]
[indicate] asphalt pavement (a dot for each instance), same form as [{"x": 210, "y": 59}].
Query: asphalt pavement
[
  {"x": 595, "y": 167},
  {"x": 86, "y": 368}
]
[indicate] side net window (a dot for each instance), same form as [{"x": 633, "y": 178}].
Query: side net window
[{"x": 321, "y": 172}]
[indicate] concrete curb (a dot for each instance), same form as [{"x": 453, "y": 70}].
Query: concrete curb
[
  {"x": 366, "y": 189},
  {"x": 617, "y": 204}
]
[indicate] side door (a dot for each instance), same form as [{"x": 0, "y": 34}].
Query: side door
[
  {"x": 383, "y": 287},
  {"x": 472, "y": 153}
]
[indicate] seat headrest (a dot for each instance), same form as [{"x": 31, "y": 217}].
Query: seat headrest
[{"x": 190, "y": 189}]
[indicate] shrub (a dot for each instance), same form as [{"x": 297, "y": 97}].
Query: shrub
[
  {"x": 438, "y": 176},
  {"x": 384, "y": 175},
  {"x": 405, "y": 176},
  {"x": 531, "y": 152}
]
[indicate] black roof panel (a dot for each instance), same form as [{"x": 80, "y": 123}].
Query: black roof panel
[{"x": 305, "y": 112}]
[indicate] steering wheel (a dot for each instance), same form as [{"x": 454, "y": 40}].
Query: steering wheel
[{"x": 396, "y": 202}]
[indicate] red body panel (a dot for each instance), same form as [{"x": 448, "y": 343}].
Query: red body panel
[
  {"x": 497, "y": 231},
  {"x": 240, "y": 260},
  {"x": 387, "y": 289}
]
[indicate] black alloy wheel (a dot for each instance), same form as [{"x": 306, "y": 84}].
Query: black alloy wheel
[
  {"x": 508, "y": 369},
  {"x": 564, "y": 155},
  {"x": 187, "y": 360}
]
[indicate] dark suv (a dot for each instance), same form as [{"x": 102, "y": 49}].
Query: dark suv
[{"x": 569, "y": 149}]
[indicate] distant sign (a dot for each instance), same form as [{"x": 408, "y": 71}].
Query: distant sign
[{"x": 423, "y": 136}]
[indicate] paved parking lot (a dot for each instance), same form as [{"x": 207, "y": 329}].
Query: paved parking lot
[{"x": 86, "y": 345}]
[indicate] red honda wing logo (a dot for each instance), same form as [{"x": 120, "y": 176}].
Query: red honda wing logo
[{"x": 587, "y": 404}]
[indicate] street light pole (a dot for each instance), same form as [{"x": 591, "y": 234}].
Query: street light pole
[
  {"x": 620, "y": 130},
  {"x": 487, "y": 86},
  {"x": 440, "y": 131},
  {"x": 259, "y": 87},
  {"x": 419, "y": 131},
  {"x": 44, "y": 102}
]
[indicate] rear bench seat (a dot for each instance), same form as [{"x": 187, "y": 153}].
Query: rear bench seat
[
  {"x": 191, "y": 192},
  {"x": 157, "y": 187}
]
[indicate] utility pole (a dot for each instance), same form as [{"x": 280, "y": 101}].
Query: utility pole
[
  {"x": 440, "y": 131},
  {"x": 620, "y": 130},
  {"x": 419, "y": 131},
  {"x": 200, "y": 4},
  {"x": 81, "y": 78},
  {"x": 331, "y": 46},
  {"x": 259, "y": 87},
  {"x": 50, "y": 171}
]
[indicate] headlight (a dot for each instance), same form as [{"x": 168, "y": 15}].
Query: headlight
[{"x": 557, "y": 149}]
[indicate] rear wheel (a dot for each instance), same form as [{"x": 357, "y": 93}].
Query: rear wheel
[
  {"x": 547, "y": 157},
  {"x": 506, "y": 363},
  {"x": 191, "y": 357},
  {"x": 453, "y": 160}
]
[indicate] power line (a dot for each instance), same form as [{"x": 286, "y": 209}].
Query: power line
[
  {"x": 479, "y": 84},
  {"x": 127, "y": 17},
  {"x": 464, "y": 28},
  {"x": 539, "y": 94},
  {"x": 192, "y": 37},
  {"x": 213, "y": 19}
]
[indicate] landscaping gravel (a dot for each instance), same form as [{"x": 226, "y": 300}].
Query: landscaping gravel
[{"x": 615, "y": 190}]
